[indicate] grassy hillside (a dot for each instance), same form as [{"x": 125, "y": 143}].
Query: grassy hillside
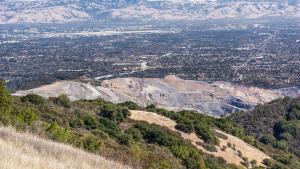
[
  {"x": 26, "y": 151},
  {"x": 104, "y": 128}
]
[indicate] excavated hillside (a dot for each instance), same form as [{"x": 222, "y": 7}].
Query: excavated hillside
[
  {"x": 172, "y": 92},
  {"x": 216, "y": 99}
]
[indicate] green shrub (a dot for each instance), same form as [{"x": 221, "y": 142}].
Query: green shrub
[
  {"x": 282, "y": 145},
  {"x": 240, "y": 153},
  {"x": 283, "y": 127},
  {"x": 249, "y": 139},
  {"x": 183, "y": 152},
  {"x": 58, "y": 133},
  {"x": 77, "y": 123},
  {"x": 268, "y": 139},
  {"x": 267, "y": 162},
  {"x": 278, "y": 166},
  {"x": 151, "y": 107},
  {"x": 246, "y": 164},
  {"x": 153, "y": 134},
  {"x": 185, "y": 125},
  {"x": 253, "y": 163},
  {"x": 164, "y": 165},
  {"x": 284, "y": 159},
  {"x": 210, "y": 147},
  {"x": 285, "y": 136},
  {"x": 229, "y": 127},
  {"x": 124, "y": 139},
  {"x": 101, "y": 134},
  {"x": 91, "y": 143},
  {"x": 115, "y": 113},
  {"x": 110, "y": 127},
  {"x": 294, "y": 114},
  {"x": 135, "y": 133},
  {"x": 170, "y": 114},
  {"x": 245, "y": 159},
  {"x": 130, "y": 105},
  {"x": 191, "y": 163},
  {"x": 206, "y": 133},
  {"x": 34, "y": 99},
  {"x": 64, "y": 100},
  {"x": 25, "y": 116},
  {"x": 90, "y": 122}
]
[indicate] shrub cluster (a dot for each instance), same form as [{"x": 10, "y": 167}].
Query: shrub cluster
[
  {"x": 34, "y": 99},
  {"x": 202, "y": 125}
]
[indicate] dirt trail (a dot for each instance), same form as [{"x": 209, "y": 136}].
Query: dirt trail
[{"x": 229, "y": 154}]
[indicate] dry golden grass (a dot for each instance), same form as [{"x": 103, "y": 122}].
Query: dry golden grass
[
  {"x": 230, "y": 155},
  {"x": 25, "y": 151}
]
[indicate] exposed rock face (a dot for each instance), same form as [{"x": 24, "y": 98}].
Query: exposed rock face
[
  {"x": 218, "y": 98},
  {"x": 74, "y": 90}
]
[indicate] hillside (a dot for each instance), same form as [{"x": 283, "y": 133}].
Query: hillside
[
  {"x": 183, "y": 139},
  {"x": 214, "y": 132},
  {"x": 276, "y": 123},
  {"x": 27, "y": 151},
  {"x": 65, "y": 11},
  {"x": 230, "y": 155},
  {"x": 103, "y": 128},
  {"x": 172, "y": 93}
]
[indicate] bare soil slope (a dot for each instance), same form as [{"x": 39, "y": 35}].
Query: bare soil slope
[
  {"x": 74, "y": 90},
  {"x": 215, "y": 99},
  {"x": 171, "y": 93}
]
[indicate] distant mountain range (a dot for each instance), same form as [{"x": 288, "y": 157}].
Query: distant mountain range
[{"x": 62, "y": 11}]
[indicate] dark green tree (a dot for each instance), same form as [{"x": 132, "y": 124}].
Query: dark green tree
[
  {"x": 34, "y": 99},
  {"x": 5, "y": 104},
  {"x": 114, "y": 112}
]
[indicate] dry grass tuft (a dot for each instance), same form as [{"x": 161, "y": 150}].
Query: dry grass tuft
[{"x": 25, "y": 151}]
